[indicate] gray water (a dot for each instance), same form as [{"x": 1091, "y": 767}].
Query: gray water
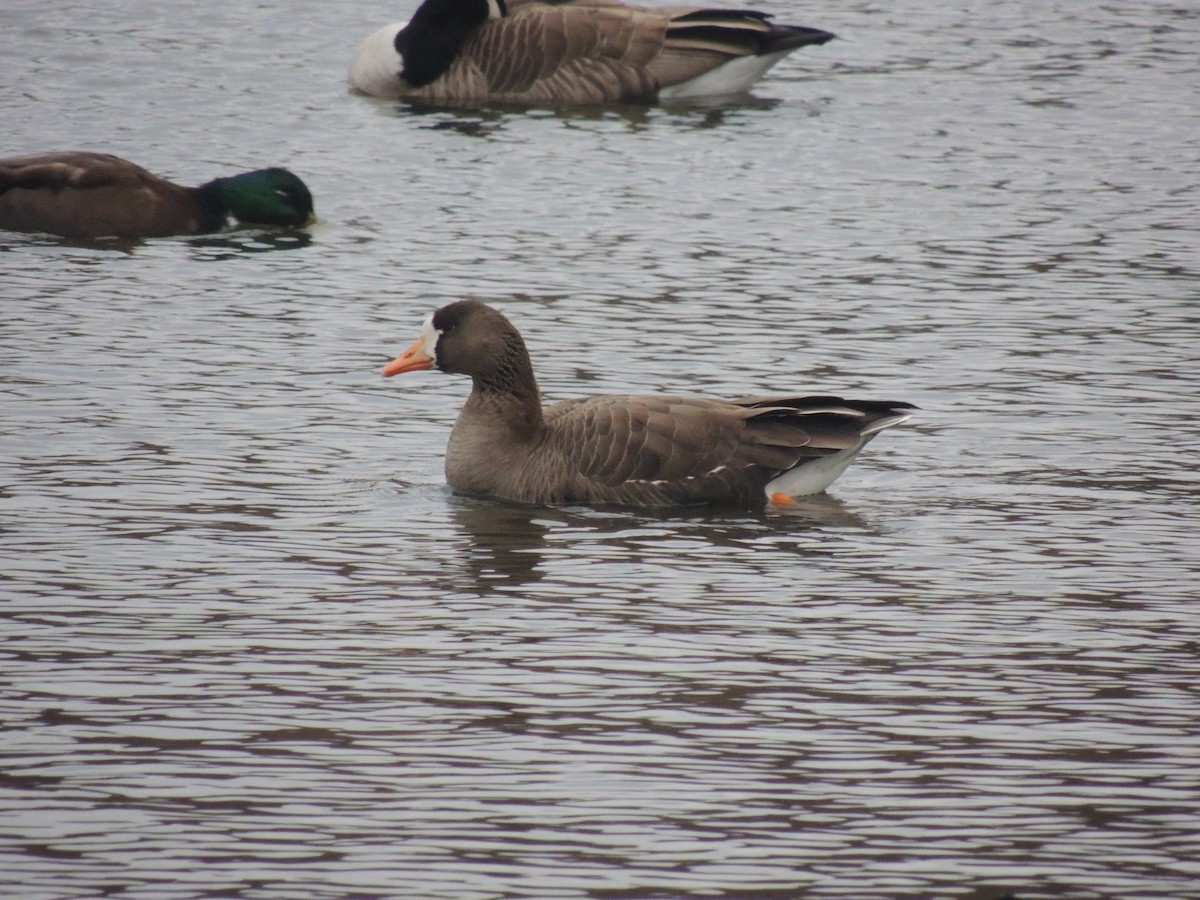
[{"x": 253, "y": 647}]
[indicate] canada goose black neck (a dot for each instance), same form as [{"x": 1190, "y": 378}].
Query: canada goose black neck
[{"x": 437, "y": 31}]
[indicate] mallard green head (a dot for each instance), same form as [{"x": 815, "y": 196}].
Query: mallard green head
[{"x": 266, "y": 197}]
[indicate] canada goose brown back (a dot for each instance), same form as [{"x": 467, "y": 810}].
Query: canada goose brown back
[
  {"x": 572, "y": 52},
  {"x": 634, "y": 450}
]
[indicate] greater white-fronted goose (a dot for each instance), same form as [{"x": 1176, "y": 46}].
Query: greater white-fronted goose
[
  {"x": 571, "y": 52},
  {"x": 630, "y": 450},
  {"x": 80, "y": 194}
]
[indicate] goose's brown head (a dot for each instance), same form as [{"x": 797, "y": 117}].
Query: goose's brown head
[{"x": 468, "y": 338}]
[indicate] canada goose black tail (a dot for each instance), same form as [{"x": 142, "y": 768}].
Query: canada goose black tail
[{"x": 750, "y": 31}]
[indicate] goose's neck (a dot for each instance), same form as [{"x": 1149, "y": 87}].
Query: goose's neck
[{"x": 510, "y": 392}]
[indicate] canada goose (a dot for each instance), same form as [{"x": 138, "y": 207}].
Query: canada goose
[
  {"x": 631, "y": 450},
  {"x": 81, "y": 194},
  {"x": 571, "y": 52}
]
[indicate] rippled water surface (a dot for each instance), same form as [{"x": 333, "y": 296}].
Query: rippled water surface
[{"x": 253, "y": 647}]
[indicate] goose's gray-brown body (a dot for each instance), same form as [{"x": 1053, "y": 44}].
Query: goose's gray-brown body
[
  {"x": 571, "y": 52},
  {"x": 81, "y": 194},
  {"x": 642, "y": 450}
]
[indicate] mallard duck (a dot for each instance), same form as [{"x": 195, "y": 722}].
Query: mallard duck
[
  {"x": 571, "y": 52},
  {"x": 81, "y": 194},
  {"x": 641, "y": 450}
]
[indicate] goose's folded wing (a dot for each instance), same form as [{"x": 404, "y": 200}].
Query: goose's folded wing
[
  {"x": 614, "y": 440},
  {"x": 822, "y": 424},
  {"x": 592, "y": 53}
]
